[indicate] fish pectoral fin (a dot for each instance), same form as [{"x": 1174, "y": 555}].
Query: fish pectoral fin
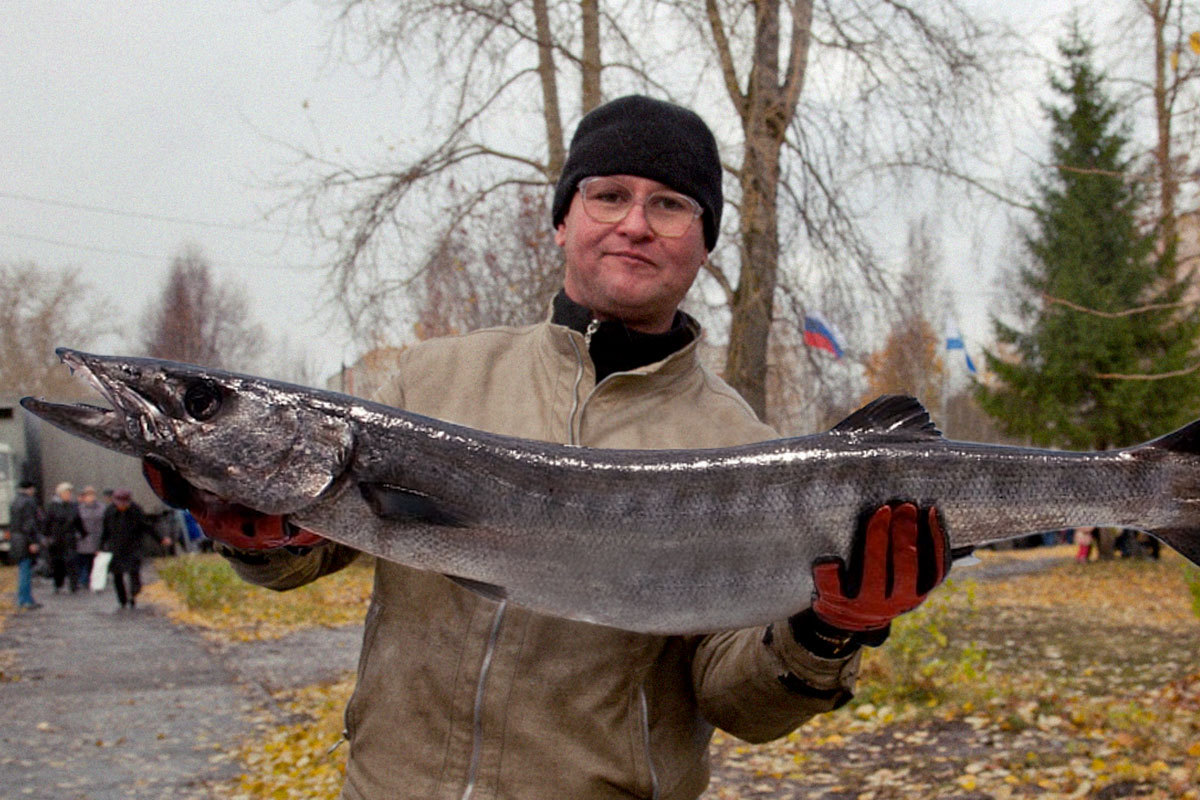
[
  {"x": 490, "y": 591},
  {"x": 1185, "y": 541},
  {"x": 405, "y": 505}
]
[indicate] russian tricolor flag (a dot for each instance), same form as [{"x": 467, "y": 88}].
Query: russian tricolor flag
[{"x": 819, "y": 335}]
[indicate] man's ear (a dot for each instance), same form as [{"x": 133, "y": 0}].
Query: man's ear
[{"x": 560, "y": 234}]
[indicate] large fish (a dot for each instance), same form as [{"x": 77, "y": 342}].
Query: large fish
[{"x": 661, "y": 541}]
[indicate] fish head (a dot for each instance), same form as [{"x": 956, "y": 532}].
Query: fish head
[{"x": 265, "y": 444}]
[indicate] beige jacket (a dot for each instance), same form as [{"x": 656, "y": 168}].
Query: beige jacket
[{"x": 459, "y": 696}]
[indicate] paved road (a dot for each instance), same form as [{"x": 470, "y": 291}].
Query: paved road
[{"x": 110, "y": 704}]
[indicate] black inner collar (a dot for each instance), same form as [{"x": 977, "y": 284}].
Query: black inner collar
[{"x": 616, "y": 348}]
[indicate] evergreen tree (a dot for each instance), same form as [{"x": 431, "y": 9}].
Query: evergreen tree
[{"x": 1088, "y": 247}]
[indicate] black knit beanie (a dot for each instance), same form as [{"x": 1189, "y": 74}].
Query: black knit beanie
[{"x": 649, "y": 138}]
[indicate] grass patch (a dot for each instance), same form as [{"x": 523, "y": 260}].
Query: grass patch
[
  {"x": 1191, "y": 576},
  {"x": 203, "y": 590},
  {"x": 203, "y": 582}
]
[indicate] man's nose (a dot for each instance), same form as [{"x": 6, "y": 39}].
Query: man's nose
[{"x": 635, "y": 223}]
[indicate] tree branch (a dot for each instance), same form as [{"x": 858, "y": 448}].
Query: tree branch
[
  {"x": 725, "y": 54},
  {"x": 1161, "y": 376},
  {"x": 1051, "y": 299}
]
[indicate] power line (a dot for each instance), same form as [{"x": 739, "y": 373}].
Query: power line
[
  {"x": 116, "y": 212},
  {"x": 144, "y": 256}
]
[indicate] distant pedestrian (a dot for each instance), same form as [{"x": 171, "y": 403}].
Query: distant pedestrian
[
  {"x": 63, "y": 531},
  {"x": 126, "y": 528},
  {"x": 25, "y": 535},
  {"x": 91, "y": 514},
  {"x": 1083, "y": 543}
]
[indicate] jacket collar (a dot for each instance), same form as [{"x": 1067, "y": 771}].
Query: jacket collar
[
  {"x": 568, "y": 341},
  {"x": 613, "y": 347}
]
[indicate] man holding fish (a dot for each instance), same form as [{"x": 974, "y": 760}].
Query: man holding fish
[{"x": 461, "y": 694}]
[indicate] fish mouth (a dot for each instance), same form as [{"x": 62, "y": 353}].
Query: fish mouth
[{"x": 130, "y": 426}]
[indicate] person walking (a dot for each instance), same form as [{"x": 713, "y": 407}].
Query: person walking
[
  {"x": 125, "y": 530},
  {"x": 25, "y": 533},
  {"x": 91, "y": 514},
  {"x": 1084, "y": 538},
  {"x": 63, "y": 531}
]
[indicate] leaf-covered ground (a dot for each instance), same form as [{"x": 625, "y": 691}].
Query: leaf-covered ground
[
  {"x": 8, "y": 605},
  {"x": 1080, "y": 681},
  {"x": 1083, "y": 681}
]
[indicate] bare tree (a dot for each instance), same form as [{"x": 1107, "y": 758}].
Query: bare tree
[
  {"x": 198, "y": 321},
  {"x": 830, "y": 98},
  {"x": 911, "y": 360},
  {"x": 495, "y": 124},
  {"x": 881, "y": 86},
  {"x": 504, "y": 274},
  {"x": 1173, "y": 90},
  {"x": 963, "y": 419},
  {"x": 288, "y": 361},
  {"x": 42, "y": 309}
]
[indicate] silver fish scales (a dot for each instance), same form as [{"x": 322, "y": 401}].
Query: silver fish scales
[{"x": 660, "y": 541}]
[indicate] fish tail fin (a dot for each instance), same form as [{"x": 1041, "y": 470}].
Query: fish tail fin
[
  {"x": 1186, "y": 539},
  {"x": 1184, "y": 440}
]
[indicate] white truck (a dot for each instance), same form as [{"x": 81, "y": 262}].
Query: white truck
[
  {"x": 8, "y": 490},
  {"x": 34, "y": 451}
]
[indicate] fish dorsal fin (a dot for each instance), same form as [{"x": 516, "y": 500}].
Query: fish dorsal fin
[{"x": 891, "y": 414}]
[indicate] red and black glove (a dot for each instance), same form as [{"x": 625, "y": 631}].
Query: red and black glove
[
  {"x": 900, "y": 555},
  {"x": 230, "y": 523}
]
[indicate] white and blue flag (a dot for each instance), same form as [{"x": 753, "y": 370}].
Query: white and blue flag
[{"x": 954, "y": 341}]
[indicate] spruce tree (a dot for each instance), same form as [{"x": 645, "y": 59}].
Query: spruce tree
[{"x": 1088, "y": 246}]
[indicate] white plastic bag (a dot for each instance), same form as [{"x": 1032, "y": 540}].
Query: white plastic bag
[{"x": 100, "y": 570}]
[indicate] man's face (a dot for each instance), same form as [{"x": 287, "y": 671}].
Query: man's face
[
  {"x": 88, "y": 497},
  {"x": 121, "y": 504},
  {"x": 65, "y": 495},
  {"x": 623, "y": 270}
]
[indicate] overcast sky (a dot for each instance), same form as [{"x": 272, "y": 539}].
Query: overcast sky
[{"x": 132, "y": 128}]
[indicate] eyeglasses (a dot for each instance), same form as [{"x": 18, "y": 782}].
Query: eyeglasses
[{"x": 608, "y": 201}]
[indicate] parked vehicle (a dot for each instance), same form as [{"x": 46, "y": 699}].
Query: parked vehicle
[
  {"x": 34, "y": 451},
  {"x": 8, "y": 490}
]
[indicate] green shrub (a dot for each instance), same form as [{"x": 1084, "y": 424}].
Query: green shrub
[
  {"x": 1192, "y": 576},
  {"x": 919, "y": 664},
  {"x": 202, "y": 582}
]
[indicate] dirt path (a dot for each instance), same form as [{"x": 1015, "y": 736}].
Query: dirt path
[{"x": 100, "y": 704}]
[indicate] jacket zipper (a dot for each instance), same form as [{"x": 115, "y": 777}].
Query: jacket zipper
[
  {"x": 645, "y": 709},
  {"x": 477, "y": 729},
  {"x": 579, "y": 370},
  {"x": 644, "y": 706}
]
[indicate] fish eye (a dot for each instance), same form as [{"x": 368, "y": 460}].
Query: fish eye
[{"x": 202, "y": 400}]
